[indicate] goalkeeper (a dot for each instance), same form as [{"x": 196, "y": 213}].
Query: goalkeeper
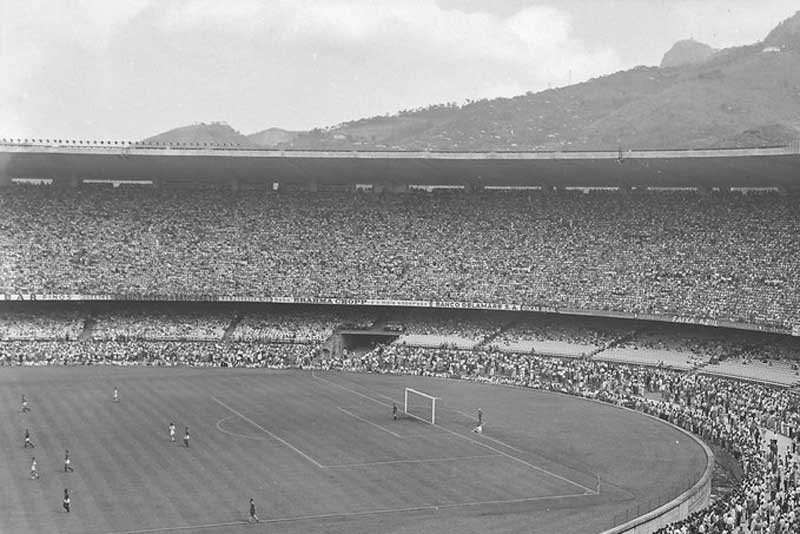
[{"x": 479, "y": 427}]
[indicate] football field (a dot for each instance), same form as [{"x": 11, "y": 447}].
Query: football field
[{"x": 318, "y": 452}]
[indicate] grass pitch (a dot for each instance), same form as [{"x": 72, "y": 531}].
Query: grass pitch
[{"x": 319, "y": 452}]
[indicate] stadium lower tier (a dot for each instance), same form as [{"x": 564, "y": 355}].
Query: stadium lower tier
[
  {"x": 729, "y": 414},
  {"x": 714, "y": 255}
]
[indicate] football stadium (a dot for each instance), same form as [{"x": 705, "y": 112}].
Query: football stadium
[
  {"x": 507, "y": 267},
  {"x": 397, "y": 342}
]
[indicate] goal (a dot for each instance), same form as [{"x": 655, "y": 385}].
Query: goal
[{"x": 420, "y": 405}]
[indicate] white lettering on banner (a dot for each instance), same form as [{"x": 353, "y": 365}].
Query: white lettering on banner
[
  {"x": 12, "y": 297},
  {"x": 692, "y": 320}
]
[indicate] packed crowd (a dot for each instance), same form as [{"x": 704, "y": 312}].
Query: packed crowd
[
  {"x": 717, "y": 255},
  {"x": 711, "y": 344},
  {"x": 157, "y": 353},
  {"x": 66, "y": 324},
  {"x": 463, "y": 328},
  {"x": 149, "y": 324},
  {"x": 157, "y": 321},
  {"x": 299, "y": 325},
  {"x": 586, "y": 332},
  {"x": 727, "y": 413}
]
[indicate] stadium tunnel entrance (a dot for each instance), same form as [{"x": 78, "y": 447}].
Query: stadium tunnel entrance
[{"x": 361, "y": 341}]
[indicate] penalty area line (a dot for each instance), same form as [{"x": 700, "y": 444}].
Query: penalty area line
[
  {"x": 267, "y": 432},
  {"x": 379, "y": 511},
  {"x": 588, "y": 491},
  {"x": 376, "y": 425},
  {"x": 236, "y": 434},
  {"x": 471, "y": 418},
  {"x": 417, "y": 461}
]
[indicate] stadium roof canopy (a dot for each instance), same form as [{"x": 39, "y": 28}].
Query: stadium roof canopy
[{"x": 771, "y": 167}]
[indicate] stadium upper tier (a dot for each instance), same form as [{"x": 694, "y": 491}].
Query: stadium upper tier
[
  {"x": 727, "y": 256},
  {"x": 67, "y": 162}
]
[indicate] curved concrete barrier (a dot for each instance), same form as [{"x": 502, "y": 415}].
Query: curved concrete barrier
[{"x": 695, "y": 498}]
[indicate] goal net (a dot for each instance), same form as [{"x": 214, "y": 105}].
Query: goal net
[{"x": 420, "y": 405}]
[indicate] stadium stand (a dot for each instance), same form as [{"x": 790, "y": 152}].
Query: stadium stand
[
  {"x": 167, "y": 324},
  {"x": 156, "y": 353},
  {"x": 698, "y": 256},
  {"x": 299, "y": 325},
  {"x": 781, "y": 372},
  {"x": 458, "y": 328},
  {"x": 555, "y": 336},
  {"x": 714, "y": 350},
  {"x": 62, "y": 324}
]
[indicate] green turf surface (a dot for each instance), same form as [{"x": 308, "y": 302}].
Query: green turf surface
[{"x": 319, "y": 453}]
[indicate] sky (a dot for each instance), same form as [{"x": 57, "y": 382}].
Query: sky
[{"x": 128, "y": 69}]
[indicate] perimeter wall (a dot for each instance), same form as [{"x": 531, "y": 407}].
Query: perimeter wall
[{"x": 695, "y": 498}]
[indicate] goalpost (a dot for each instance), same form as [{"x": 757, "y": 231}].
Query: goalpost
[{"x": 420, "y": 405}]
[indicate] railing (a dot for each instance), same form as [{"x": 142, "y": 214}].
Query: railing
[
  {"x": 791, "y": 148},
  {"x": 635, "y": 516}
]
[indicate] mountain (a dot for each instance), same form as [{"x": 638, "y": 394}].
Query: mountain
[
  {"x": 687, "y": 52},
  {"x": 768, "y": 135},
  {"x": 699, "y": 98},
  {"x": 272, "y": 137},
  {"x": 692, "y": 106},
  {"x": 215, "y": 133},
  {"x": 786, "y": 35}
]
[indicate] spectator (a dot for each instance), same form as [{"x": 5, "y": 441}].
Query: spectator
[{"x": 721, "y": 256}]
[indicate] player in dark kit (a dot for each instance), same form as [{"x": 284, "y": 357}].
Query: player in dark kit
[
  {"x": 67, "y": 463},
  {"x": 28, "y": 442},
  {"x": 253, "y": 516},
  {"x": 66, "y": 501},
  {"x": 394, "y": 411},
  {"x": 186, "y": 437}
]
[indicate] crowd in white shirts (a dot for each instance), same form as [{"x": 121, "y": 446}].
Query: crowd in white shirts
[{"x": 712, "y": 256}]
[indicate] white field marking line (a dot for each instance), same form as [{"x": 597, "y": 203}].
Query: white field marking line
[
  {"x": 506, "y": 445},
  {"x": 465, "y": 415},
  {"x": 509, "y": 456},
  {"x": 240, "y": 522},
  {"x": 370, "y": 423},
  {"x": 373, "y": 399},
  {"x": 387, "y": 397},
  {"x": 484, "y": 436},
  {"x": 462, "y": 436},
  {"x": 236, "y": 434},
  {"x": 265, "y": 431},
  {"x": 430, "y": 508},
  {"x": 417, "y": 461}
]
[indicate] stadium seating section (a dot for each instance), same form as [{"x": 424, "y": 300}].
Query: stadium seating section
[
  {"x": 697, "y": 255},
  {"x": 717, "y": 255}
]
